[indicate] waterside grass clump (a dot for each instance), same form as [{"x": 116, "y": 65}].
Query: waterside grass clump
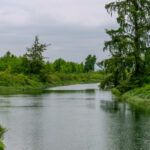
[
  {"x": 2, "y": 131},
  {"x": 137, "y": 97}
]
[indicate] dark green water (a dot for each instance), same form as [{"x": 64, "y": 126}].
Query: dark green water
[{"x": 78, "y": 117}]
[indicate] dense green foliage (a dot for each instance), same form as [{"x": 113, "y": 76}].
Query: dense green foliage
[
  {"x": 14, "y": 71},
  {"x": 129, "y": 45},
  {"x": 32, "y": 70}
]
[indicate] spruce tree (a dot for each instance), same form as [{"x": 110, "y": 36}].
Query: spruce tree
[{"x": 35, "y": 55}]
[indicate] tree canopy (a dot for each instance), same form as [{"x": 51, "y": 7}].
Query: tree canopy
[{"x": 130, "y": 42}]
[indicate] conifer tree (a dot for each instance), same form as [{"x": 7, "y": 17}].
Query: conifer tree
[{"x": 35, "y": 55}]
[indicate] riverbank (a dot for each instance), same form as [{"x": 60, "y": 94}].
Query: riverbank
[
  {"x": 14, "y": 85},
  {"x": 138, "y": 97}
]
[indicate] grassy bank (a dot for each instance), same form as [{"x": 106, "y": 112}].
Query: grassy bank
[
  {"x": 138, "y": 97},
  {"x": 19, "y": 83}
]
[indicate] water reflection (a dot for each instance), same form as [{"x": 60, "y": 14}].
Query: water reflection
[
  {"x": 70, "y": 91},
  {"x": 110, "y": 106},
  {"x": 129, "y": 128}
]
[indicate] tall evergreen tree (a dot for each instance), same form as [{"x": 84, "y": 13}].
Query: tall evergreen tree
[{"x": 35, "y": 55}]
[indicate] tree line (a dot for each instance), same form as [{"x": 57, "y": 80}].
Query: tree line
[{"x": 33, "y": 63}]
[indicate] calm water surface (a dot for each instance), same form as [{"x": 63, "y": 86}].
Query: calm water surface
[{"x": 77, "y": 117}]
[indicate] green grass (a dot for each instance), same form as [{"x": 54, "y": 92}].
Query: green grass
[{"x": 138, "y": 97}]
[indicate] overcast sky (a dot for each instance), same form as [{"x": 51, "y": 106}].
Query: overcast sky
[{"x": 75, "y": 28}]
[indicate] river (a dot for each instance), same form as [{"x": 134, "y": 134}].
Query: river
[{"x": 75, "y": 117}]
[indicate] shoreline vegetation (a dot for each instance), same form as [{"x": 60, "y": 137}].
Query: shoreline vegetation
[
  {"x": 137, "y": 97},
  {"x": 57, "y": 80}
]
